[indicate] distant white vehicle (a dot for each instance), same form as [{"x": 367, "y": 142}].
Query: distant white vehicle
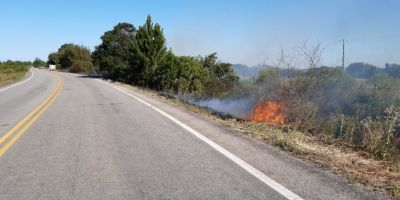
[{"x": 52, "y": 67}]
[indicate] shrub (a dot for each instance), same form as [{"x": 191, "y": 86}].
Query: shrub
[
  {"x": 380, "y": 135},
  {"x": 81, "y": 66}
]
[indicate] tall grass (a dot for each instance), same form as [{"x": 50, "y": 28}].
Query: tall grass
[{"x": 12, "y": 71}]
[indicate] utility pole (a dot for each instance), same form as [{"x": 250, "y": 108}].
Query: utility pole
[{"x": 343, "y": 54}]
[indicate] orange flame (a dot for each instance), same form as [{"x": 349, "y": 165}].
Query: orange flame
[{"x": 270, "y": 113}]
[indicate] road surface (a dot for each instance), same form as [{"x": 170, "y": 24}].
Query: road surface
[{"x": 66, "y": 136}]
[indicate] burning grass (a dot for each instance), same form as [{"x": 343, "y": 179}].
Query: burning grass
[
  {"x": 342, "y": 158},
  {"x": 270, "y": 113}
]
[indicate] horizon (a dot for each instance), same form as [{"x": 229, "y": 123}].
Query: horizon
[{"x": 241, "y": 32}]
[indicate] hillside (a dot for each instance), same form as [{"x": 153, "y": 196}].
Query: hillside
[{"x": 244, "y": 71}]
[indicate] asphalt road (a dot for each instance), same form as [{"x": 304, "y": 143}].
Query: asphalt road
[{"x": 92, "y": 141}]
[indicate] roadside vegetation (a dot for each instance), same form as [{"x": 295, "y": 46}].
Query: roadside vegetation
[
  {"x": 349, "y": 126},
  {"x": 39, "y": 63},
  {"x": 347, "y": 120},
  {"x": 11, "y": 71},
  {"x": 139, "y": 56},
  {"x": 327, "y": 115},
  {"x": 338, "y": 156},
  {"x": 73, "y": 58}
]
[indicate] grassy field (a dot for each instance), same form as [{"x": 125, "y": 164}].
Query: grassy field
[{"x": 10, "y": 72}]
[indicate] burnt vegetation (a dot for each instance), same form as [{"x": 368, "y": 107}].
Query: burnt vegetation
[{"x": 330, "y": 101}]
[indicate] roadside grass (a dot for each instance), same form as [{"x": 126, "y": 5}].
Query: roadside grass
[
  {"x": 339, "y": 157},
  {"x": 10, "y": 73}
]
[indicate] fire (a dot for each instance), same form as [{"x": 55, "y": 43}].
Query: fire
[{"x": 270, "y": 112}]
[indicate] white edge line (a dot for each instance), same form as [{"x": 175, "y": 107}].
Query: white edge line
[
  {"x": 18, "y": 83},
  {"x": 253, "y": 171}
]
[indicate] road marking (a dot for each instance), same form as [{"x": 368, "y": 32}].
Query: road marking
[
  {"x": 23, "y": 125},
  {"x": 27, "y": 117},
  {"x": 246, "y": 166},
  {"x": 18, "y": 83}
]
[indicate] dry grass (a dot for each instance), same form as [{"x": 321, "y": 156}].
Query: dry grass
[
  {"x": 11, "y": 74},
  {"x": 341, "y": 158},
  {"x": 330, "y": 154}
]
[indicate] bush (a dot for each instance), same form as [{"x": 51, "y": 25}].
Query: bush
[
  {"x": 298, "y": 95},
  {"x": 114, "y": 55},
  {"x": 380, "y": 135},
  {"x": 221, "y": 77},
  {"x": 377, "y": 135},
  {"x": 73, "y": 57},
  {"x": 81, "y": 66}
]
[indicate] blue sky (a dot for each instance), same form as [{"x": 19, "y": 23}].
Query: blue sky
[{"x": 249, "y": 32}]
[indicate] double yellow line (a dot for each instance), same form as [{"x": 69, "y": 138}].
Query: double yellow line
[{"x": 22, "y": 126}]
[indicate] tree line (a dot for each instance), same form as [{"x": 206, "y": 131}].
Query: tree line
[
  {"x": 368, "y": 71},
  {"x": 72, "y": 57},
  {"x": 139, "y": 56},
  {"x": 316, "y": 100}
]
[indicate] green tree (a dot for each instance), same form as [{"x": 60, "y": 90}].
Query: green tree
[
  {"x": 267, "y": 74},
  {"x": 149, "y": 52},
  {"x": 166, "y": 75},
  {"x": 363, "y": 70},
  {"x": 384, "y": 92},
  {"x": 393, "y": 70},
  {"x": 190, "y": 76},
  {"x": 72, "y": 56},
  {"x": 221, "y": 79},
  {"x": 39, "y": 63},
  {"x": 81, "y": 66},
  {"x": 114, "y": 55},
  {"x": 180, "y": 74},
  {"x": 53, "y": 59}
]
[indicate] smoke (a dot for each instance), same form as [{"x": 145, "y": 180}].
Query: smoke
[
  {"x": 298, "y": 84},
  {"x": 242, "y": 100},
  {"x": 239, "y": 108}
]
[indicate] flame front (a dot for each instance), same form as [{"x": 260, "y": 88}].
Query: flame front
[{"x": 270, "y": 113}]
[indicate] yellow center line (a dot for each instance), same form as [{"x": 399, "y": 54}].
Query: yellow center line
[
  {"x": 30, "y": 119},
  {"x": 26, "y": 118}
]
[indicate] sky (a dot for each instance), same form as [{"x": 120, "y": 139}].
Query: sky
[{"x": 249, "y": 32}]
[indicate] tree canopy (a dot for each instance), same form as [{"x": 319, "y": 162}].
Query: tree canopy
[
  {"x": 140, "y": 57},
  {"x": 53, "y": 59},
  {"x": 75, "y": 58},
  {"x": 221, "y": 76},
  {"x": 149, "y": 51},
  {"x": 114, "y": 55},
  {"x": 38, "y": 63}
]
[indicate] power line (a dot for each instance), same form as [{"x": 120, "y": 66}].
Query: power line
[{"x": 343, "y": 54}]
